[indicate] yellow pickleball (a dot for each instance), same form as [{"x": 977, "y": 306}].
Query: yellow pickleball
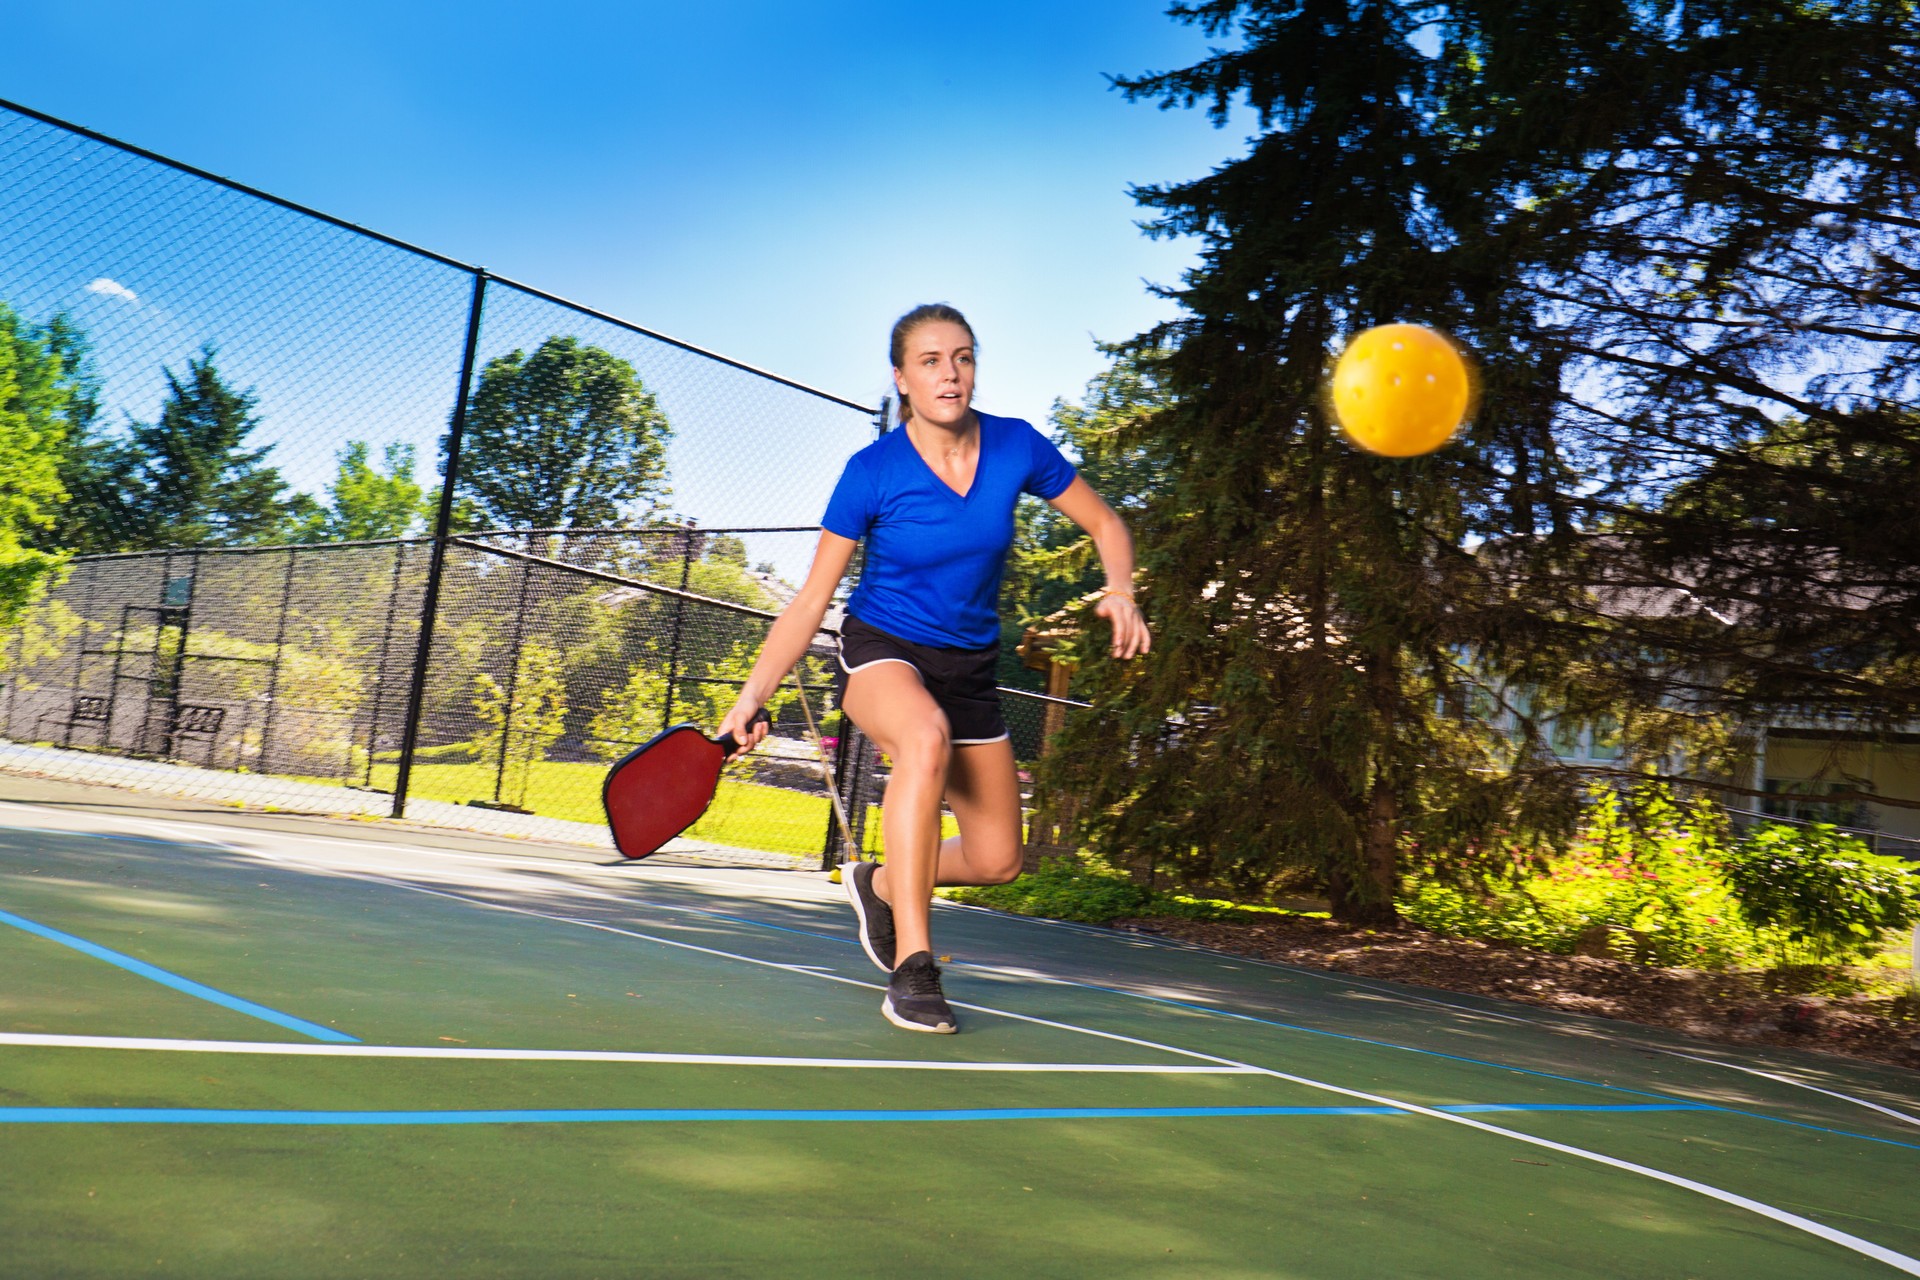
[{"x": 1401, "y": 390}]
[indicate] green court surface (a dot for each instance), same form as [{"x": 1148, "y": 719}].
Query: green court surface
[{"x": 250, "y": 1051}]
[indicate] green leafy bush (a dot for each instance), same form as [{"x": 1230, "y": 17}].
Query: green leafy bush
[
  {"x": 1821, "y": 895},
  {"x": 1086, "y": 888},
  {"x": 1642, "y": 865}
]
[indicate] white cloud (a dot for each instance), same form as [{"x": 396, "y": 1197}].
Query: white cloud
[{"x": 112, "y": 289}]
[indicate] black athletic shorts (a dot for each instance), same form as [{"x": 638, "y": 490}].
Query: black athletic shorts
[{"x": 960, "y": 680}]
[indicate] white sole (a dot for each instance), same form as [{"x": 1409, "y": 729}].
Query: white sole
[
  {"x": 860, "y": 914},
  {"x": 886, "y": 1007}
]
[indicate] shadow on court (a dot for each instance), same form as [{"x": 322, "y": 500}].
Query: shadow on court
[{"x": 228, "y": 1050}]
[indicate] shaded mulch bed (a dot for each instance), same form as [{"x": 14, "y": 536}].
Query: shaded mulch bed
[{"x": 1740, "y": 1008}]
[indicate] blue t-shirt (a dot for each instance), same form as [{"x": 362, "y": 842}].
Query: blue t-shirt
[{"x": 934, "y": 558}]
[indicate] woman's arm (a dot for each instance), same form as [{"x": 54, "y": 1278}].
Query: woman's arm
[
  {"x": 790, "y": 637},
  {"x": 1090, "y": 511}
]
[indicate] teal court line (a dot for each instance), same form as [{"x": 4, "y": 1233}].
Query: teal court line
[
  {"x": 198, "y": 990},
  {"x": 1307, "y": 1030},
  {"x": 673, "y": 1115}
]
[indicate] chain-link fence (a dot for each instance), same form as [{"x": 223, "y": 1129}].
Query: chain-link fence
[{"x": 351, "y": 527}]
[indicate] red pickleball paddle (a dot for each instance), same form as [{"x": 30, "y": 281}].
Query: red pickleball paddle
[{"x": 660, "y": 789}]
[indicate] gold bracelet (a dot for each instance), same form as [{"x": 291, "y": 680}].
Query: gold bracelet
[{"x": 1118, "y": 591}]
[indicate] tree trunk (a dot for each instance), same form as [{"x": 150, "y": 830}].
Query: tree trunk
[
  {"x": 1364, "y": 896},
  {"x": 1380, "y": 853}
]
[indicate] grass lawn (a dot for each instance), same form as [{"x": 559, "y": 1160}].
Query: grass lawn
[{"x": 746, "y": 815}]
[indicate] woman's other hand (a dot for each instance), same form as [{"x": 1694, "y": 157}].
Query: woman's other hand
[{"x": 1130, "y": 635}]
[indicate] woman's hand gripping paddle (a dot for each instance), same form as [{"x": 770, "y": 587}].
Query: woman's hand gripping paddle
[{"x": 659, "y": 790}]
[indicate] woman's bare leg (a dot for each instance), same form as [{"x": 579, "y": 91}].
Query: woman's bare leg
[
  {"x": 983, "y": 790},
  {"x": 893, "y": 708}
]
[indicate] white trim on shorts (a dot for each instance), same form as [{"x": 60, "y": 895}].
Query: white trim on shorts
[{"x": 840, "y": 653}]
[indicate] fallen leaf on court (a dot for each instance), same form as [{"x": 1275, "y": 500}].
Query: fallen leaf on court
[
  {"x": 452, "y": 1040},
  {"x": 1542, "y": 1163}
]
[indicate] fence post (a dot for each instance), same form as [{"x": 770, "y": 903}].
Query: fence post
[
  {"x": 442, "y": 524},
  {"x": 679, "y": 620},
  {"x": 380, "y": 677}
]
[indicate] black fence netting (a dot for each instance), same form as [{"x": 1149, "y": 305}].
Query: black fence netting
[
  {"x": 331, "y": 523},
  {"x": 265, "y": 661}
]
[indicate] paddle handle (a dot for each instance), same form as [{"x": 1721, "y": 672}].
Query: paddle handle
[{"x": 726, "y": 741}]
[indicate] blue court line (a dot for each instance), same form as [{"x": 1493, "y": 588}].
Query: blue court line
[
  {"x": 1338, "y": 1035},
  {"x": 1498, "y": 1066},
  {"x": 1200, "y": 1008},
  {"x": 673, "y": 1115},
  {"x": 187, "y": 985}
]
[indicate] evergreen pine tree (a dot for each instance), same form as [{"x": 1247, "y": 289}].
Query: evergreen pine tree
[
  {"x": 1746, "y": 290},
  {"x": 198, "y": 484},
  {"x": 1320, "y": 610},
  {"x": 1665, "y": 232}
]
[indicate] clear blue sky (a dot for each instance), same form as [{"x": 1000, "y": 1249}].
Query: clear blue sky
[{"x": 773, "y": 180}]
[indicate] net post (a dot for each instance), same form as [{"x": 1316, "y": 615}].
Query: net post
[
  {"x": 442, "y": 531},
  {"x": 380, "y": 676},
  {"x": 679, "y": 622},
  {"x": 513, "y": 682},
  {"x": 279, "y": 657},
  {"x": 833, "y": 850}
]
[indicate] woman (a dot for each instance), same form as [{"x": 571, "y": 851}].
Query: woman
[{"x": 934, "y": 499}]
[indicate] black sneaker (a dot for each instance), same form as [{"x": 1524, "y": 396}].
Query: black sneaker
[
  {"x": 914, "y": 1000},
  {"x": 872, "y": 911}
]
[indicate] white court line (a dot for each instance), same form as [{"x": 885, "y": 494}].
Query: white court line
[
  {"x": 809, "y": 971},
  {"x": 299, "y": 1050},
  {"x": 1856, "y": 1244},
  {"x": 1174, "y": 944},
  {"x": 616, "y": 872},
  {"x": 1798, "y": 1084},
  {"x": 1866, "y": 1248}
]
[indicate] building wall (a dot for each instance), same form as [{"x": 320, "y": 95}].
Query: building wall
[{"x": 1798, "y": 766}]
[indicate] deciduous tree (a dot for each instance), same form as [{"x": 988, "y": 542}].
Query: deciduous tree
[
  {"x": 565, "y": 437},
  {"x": 368, "y": 504},
  {"x": 33, "y": 404}
]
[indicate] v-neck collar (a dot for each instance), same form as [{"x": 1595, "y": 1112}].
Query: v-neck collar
[{"x": 979, "y": 461}]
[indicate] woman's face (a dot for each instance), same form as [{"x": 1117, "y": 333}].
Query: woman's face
[{"x": 937, "y": 378}]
